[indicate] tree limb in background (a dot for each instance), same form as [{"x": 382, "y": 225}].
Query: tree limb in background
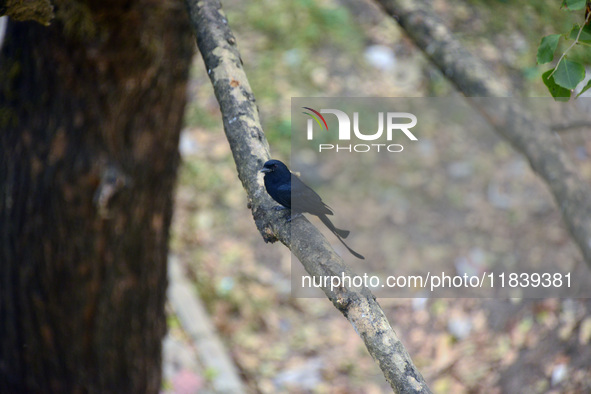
[
  {"x": 574, "y": 125},
  {"x": 250, "y": 150},
  {"x": 529, "y": 136},
  {"x": 197, "y": 325}
]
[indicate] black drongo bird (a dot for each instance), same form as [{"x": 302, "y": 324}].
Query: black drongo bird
[{"x": 282, "y": 185}]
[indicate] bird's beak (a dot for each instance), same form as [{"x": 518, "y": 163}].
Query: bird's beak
[{"x": 266, "y": 170}]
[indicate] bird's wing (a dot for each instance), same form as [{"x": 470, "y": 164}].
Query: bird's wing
[
  {"x": 307, "y": 200},
  {"x": 283, "y": 195}
]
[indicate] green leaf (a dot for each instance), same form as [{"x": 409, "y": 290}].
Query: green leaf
[
  {"x": 568, "y": 74},
  {"x": 558, "y": 92},
  {"x": 547, "y": 48},
  {"x": 585, "y": 34},
  {"x": 585, "y": 88},
  {"x": 574, "y": 5}
]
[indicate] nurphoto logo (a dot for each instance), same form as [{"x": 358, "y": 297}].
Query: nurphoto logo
[{"x": 395, "y": 122}]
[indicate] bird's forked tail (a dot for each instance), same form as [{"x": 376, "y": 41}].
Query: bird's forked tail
[{"x": 340, "y": 234}]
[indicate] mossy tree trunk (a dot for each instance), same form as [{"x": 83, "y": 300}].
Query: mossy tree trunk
[{"x": 90, "y": 115}]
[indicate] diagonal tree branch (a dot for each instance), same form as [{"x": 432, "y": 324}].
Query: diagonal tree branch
[
  {"x": 250, "y": 150},
  {"x": 534, "y": 139}
]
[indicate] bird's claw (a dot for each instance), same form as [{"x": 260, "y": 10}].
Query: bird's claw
[{"x": 279, "y": 208}]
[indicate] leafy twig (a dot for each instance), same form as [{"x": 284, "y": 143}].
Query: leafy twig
[{"x": 571, "y": 45}]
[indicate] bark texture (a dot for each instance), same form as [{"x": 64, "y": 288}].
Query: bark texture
[{"x": 90, "y": 115}]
